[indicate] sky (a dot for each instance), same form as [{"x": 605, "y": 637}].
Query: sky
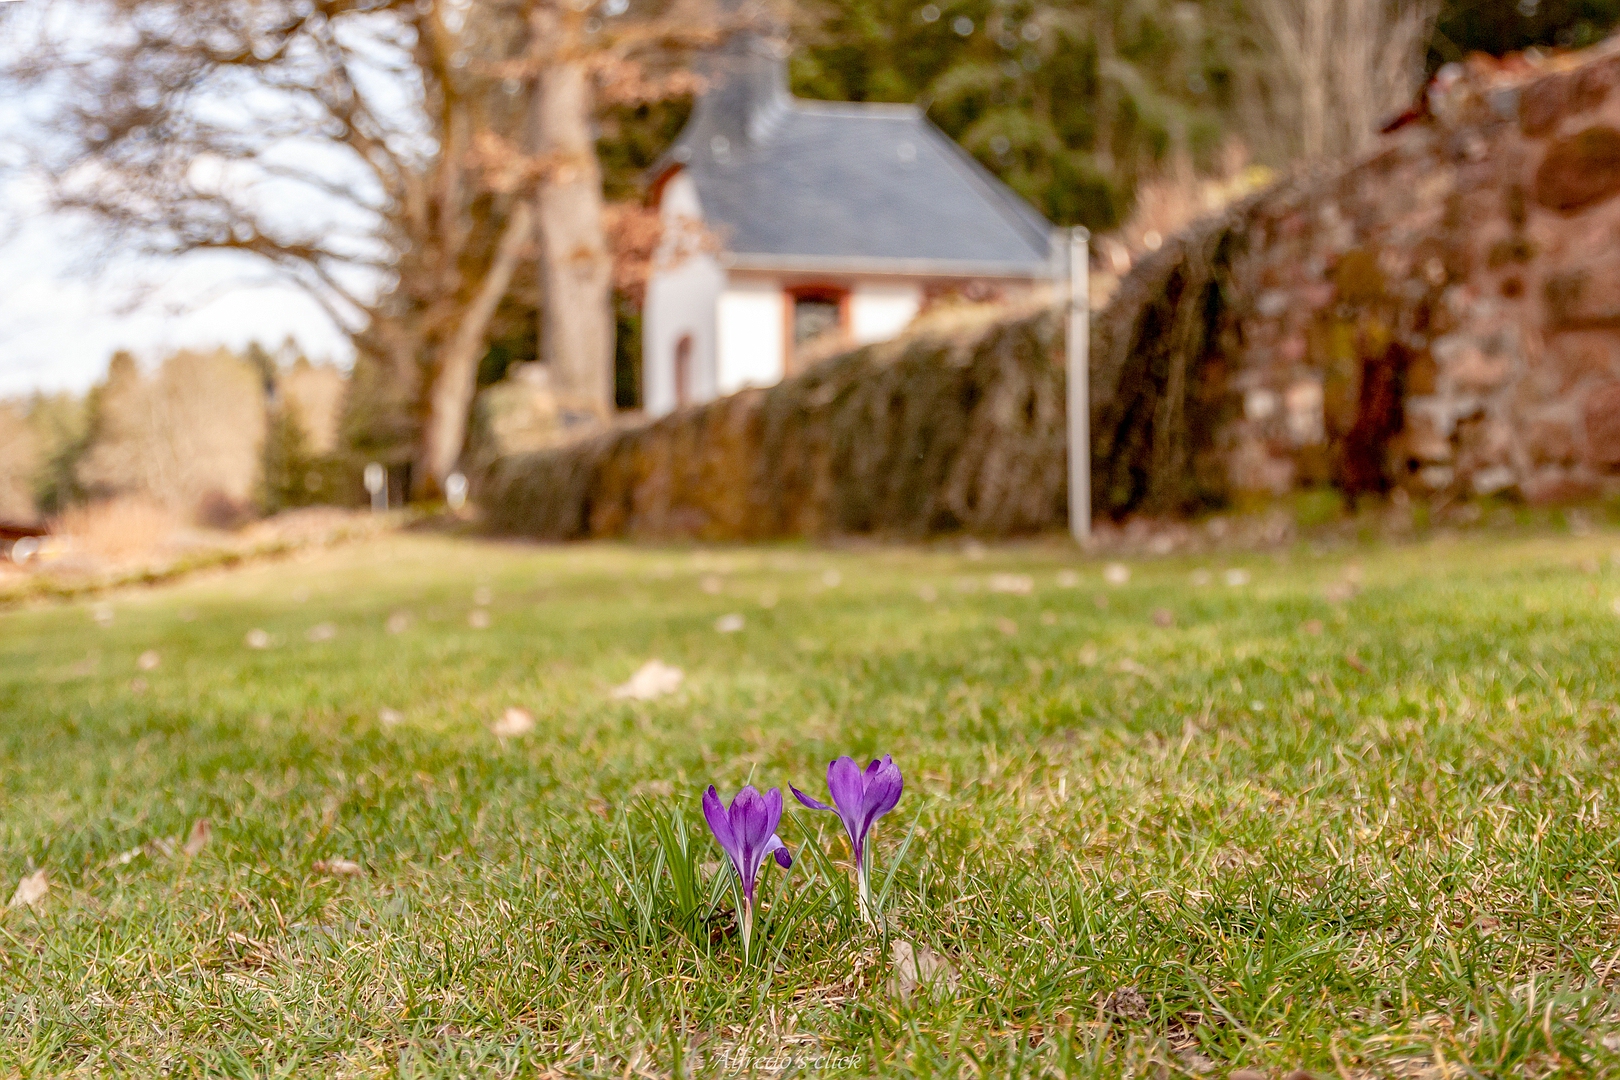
[
  {"x": 66, "y": 305},
  {"x": 71, "y": 296}
]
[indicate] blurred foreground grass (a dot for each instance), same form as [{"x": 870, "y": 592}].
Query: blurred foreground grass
[{"x": 1355, "y": 812}]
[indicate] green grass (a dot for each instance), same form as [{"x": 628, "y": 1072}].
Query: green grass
[{"x": 1387, "y": 846}]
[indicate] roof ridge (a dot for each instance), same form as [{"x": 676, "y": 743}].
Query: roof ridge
[{"x": 1004, "y": 199}]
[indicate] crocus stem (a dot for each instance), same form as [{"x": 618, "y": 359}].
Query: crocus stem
[
  {"x": 747, "y": 924},
  {"x": 863, "y": 890}
]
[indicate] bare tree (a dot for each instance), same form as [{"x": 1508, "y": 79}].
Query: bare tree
[
  {"x": 1338, "y": 68},
  {"x": 383, "y": 154}
]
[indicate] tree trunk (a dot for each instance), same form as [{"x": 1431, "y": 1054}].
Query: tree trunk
[
  {"x": 458, "y": 368},
  {"x": 575, "y": 265}
]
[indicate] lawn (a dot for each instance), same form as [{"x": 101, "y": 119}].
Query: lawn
[{"x": 1351, "y": 810}]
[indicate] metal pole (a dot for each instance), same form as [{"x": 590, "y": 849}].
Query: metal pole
[{"x": 1079, "y": 380}]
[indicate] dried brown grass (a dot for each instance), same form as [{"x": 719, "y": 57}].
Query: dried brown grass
[{"x": 121, "y": 530}]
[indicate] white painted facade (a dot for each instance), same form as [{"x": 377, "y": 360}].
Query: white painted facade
[
  {"x": 683, "y": 295},
  {"x": 739, "y": 324},
  {"x": 753, "y": 344},
  {"x": 880, "y": 311}
]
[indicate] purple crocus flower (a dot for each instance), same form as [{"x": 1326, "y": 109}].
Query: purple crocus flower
[
  {"x": 860, "y": 797},
  {"x": 747, "y": 833}
]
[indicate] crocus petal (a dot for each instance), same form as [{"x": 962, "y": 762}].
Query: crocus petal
[
  {"x": 807, "y": 800},
  {"x": 774, "y": 846},
  {"x": 883, "y": 787},
  {"x": 749, "y": 824},
  {"x": 848, "y": 789},
  {"x": 714, "y": 812}
]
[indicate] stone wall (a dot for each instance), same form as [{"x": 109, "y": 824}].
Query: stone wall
[
  {"x": 962, "y": 429},
  {"x": 1445, "y": 316}
]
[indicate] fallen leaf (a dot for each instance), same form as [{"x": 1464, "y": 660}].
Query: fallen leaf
[
  {"x": 1237, "y": 577},
  {"x": 1313, "y": 627},
  {"x": 919, "y": 968},
  {"x": 148, "y": 660},
  {"x": 337, "y": 867},
  {"x": 478, "y": 619},
  {"x": 1116, "y": 573},
  {"x": 198, "y": 838},
  {"x": 322, "y": 632},
  {"x": 31, "y": 890},
  {"x": 1006, "y": 626},
  {"x": 729, "y": 624},
  {"x": 1247, "y": 1074},
  {"x": 1164, "y": 618},
  {"x": 712, "y": 584},
  {"x": 1068, "y": 579},
  {"x": 1356, "y": 662},
  {"x": 398, "y": 623},
  {"x": 651, "y": 680},
  {"x": 1125, "y": 1003},
  {"x": 1340, "y": 592},
  {"x": 1015, "y": 584},
  {"x": 390, "y": 717},
  {"x": 513, "y": 722},
  {"x": 257, "y": 639}
]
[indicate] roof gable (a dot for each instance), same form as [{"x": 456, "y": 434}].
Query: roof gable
[{"x": 797, "y": 184}]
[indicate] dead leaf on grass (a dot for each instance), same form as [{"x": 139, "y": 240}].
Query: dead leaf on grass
[
  {"x": 337, "y": 867},
  {"x": 31, "y": 891},
  {"x": 1012, "y": 584},
  {"x": 1124, "y": 1003},
  {"x": 198, "y": 838},
  {"x": 1340, "y": 592},
  {"x": 917, "y": 967},
  {"x": 513, "y": 723},
  {"x": 1357, "y": 662},
  {"x": 652, "y": 680}
]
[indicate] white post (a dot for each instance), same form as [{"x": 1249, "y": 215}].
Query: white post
[{"x": 1079, "y": 380}]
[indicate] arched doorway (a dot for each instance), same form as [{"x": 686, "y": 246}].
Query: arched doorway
[{"x": 683, "y": 371}]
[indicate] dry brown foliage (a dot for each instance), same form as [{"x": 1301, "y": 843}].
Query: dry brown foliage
[
  {"x": 118, "y": 530},
  {"x": 187, "y": 437},
  {"x": 19, "y": 459},
  {"x": 316, "y": 392}
]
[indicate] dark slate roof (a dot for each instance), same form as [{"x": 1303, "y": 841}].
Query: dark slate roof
[{"x": 793, "y": 184}]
